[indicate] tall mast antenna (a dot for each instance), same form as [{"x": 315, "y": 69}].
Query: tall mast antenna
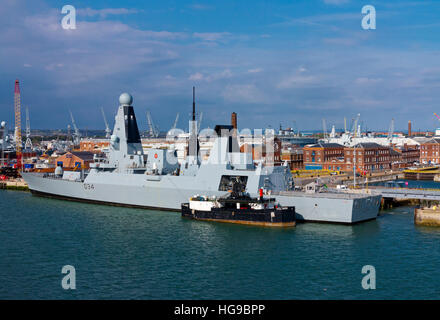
[{"x": 194, "y": 104}]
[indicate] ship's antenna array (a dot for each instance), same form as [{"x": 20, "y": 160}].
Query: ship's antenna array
[{"x": 194, "y": 105}]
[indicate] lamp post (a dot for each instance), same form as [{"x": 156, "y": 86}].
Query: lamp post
[{"x": 354, "y": 166}]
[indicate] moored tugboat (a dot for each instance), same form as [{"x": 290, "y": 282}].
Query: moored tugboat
[{"x": 239, "y": 207}]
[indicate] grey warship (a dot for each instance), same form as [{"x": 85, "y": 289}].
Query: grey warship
[{"x": 127, "y": 176}]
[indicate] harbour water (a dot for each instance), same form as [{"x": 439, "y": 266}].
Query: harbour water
[
  {"x": 123, "y": 253},
  {"x": 403, "y": 183}
]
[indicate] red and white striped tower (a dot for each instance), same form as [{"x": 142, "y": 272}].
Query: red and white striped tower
[{"x": 17, "y": 108}]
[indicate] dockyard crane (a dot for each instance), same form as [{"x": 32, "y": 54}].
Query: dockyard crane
[
  {"x": 107, "y": 128},
  {"x": 324, "y": 128},
  {"x": 295, "y": 128},
  {"x": 154, "y": 131},
  {"x": 3, "y": 132},
  {"x": 28, "y": 144},
  {"x": 76, "y": 134},
  {"x": 200, "y": 121},
  {"x": 333, "y": 132},
  {"x": 391, "y": 132},
  {"x": 175, "y": 122},
  {"x": 355, "y": 125},
  {"x": 354, "y": 131},
  {"x": 68, "y": 132},
  {"x": 17, "y": 132}
]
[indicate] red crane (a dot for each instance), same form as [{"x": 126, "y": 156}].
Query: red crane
[{"x": 17, "y": 108}]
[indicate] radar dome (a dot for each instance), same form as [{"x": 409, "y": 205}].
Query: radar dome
[
  {"x": 125, "y": 99},
  {"x": 3, "y": 124}
]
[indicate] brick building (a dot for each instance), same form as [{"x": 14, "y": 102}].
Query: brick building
[
  {"x": 396, "y": 159},
  {"x": 324, "y": 156},
  {"x": 410, "y": 154},
  {"x": 369, "y": 157},
  {"x": 261, "y": 153},
  {"x": 293, "y": 157},
  {"x": 429, "y": 151},
  {"x": 273, "y": 155},
  {"x": 75, "y": 159},
  {"x": 93, "y": 145}
]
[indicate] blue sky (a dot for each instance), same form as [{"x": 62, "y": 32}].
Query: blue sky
[{"x": 271, "y": 62}]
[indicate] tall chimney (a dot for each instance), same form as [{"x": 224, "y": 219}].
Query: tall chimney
[
  {"x": 234, "y": 120},
  {"x": 409, "y": 129}
]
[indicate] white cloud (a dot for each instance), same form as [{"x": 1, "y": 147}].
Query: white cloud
[
  {"x": 340, "y": 41},
  {"x": 227, "y": 73},
  {"x": 196, "y": 76},
  {"x": 198, "y": 6},
  {"x": 102, "y": 58},
  {"x": 89, "y": 12},
  {"x": 210, "y": 36},
  {"x": 243, "y": 93},
  {"x": 366, "y": 80},
  {"x": 297, "y": 80},
  {"x": 256, "y": 70},
  {"x": 53, "y": 66},
  {"x": 336, "y": 2},
  {"x": 224, "y": 74}
]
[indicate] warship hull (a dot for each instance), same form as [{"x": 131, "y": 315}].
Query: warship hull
[{"x": 170, "y": 192}]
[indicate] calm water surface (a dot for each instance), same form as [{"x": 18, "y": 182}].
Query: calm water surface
[{"x": 122, "y": 253}]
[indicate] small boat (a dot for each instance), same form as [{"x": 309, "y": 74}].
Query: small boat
[{"x": 239, "y": 207}]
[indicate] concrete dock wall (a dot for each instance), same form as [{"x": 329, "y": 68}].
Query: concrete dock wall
[{"x": 427, "y": 217}]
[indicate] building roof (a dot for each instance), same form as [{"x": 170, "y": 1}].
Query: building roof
[
  {"x": 83, "y": 155},
  {"x": 368, "y": 145},
  {"x": 325, "y": 145},
  {"x": 433, "y": 140}
]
